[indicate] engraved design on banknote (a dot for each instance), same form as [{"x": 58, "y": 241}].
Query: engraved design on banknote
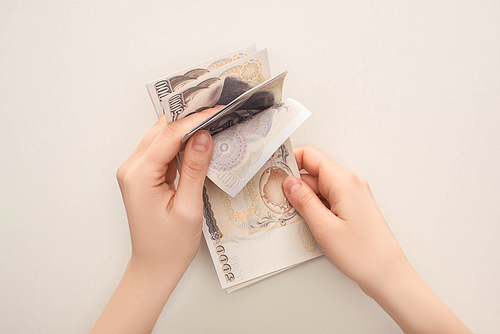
[
  {"x": 308, "y": 241},
  {"x": 224, "y": 61},
  {"x": 278, "y": 85},
  {"x": 269, "y": 188},
  {"x": 231, "y": 156},
  {"x": 225, "y": 266},
  {"x": 281, "y": 212},
  {"x": 249, "y": 71},
  {"x": 213, "y": 229},
  {"x": 230, "y": 146},
  {"x": 230, "y": 270},
  {"x": 229, "y": 149},
  {"x": 179, "y": 102},
  {"x": 267, "y": 208},
  {"x": 170, "y": 85},
  {"x": 234, "y": 80},
  {"x": 222, "y": 90}
]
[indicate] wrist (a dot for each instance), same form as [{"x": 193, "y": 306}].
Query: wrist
[
  {"x": 398, "y": 276},
  {"x": 156, "y": 279}
]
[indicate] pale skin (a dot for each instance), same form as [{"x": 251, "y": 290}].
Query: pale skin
[{"x": 165, "y": 227}]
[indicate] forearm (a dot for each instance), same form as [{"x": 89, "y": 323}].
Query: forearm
[
  {"x": 414, "y": 307},
  {"x": 138, "y": 301}
]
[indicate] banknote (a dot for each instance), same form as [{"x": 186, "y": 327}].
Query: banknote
[
  {"x": 240, "y": 151},
  {"x": 251, "y": 229},
  {"x": 257, "y": 233},
  {"x": 245, "y": 138},
  {"x": 243, "y": 107},
  {"x": 219, "y": 87},
  {"x": 161, "y": 87}
]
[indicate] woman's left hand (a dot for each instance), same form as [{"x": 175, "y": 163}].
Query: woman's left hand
[{"x": 165, "y": 224}]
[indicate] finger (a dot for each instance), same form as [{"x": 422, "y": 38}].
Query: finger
[
  {"x": 149, "y": 137},
  {"x": 313, "y": 161},
  {"x": 334, "y": 181},
  {"x": 312, "y": 181},
  {"x": 192, "y": 175},
  {"x": 305, "y": 201},
  {"x": 141, "y": 148},
  {"x": 167, "y": 143}
]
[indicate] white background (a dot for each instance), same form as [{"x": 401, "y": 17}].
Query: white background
[{"x": 404, "y": 93}]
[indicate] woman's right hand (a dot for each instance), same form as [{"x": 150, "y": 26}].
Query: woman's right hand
[{"x": 345, "y": 220}]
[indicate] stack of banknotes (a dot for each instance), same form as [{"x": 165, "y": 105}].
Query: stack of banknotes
[{"x": 251, "y": 229}]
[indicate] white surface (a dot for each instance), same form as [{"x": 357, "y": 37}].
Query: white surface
[{"x": 407, "y": 95}]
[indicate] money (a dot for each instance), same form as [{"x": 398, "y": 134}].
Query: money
[
  {"x": 219, "y": 87},
  {"x": 245, "y": 138},
  {"x": 240, "y": 151},
  {"x": 161, "y": 87},
  {"x": 251, "y": 229},
  {"x": 243, "y": 107},
  {"x": 257, "y": 233}
]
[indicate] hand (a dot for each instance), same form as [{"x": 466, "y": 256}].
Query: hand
[
  {"x": 165, "y": 224},
  {"x": 346, "y": 222}
]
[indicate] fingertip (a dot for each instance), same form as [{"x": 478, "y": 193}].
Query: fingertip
[
  {"x": 162, "y": 120},
  {"x": 195, "y": 163},
  {"x": 202, "y": 141},
  {"x": 291, "y": 184}
]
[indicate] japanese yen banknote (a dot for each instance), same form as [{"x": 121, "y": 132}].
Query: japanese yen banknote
[
  {"x": 217, "y": 87},
  {"x": 257, "y": 233},
  {"x": 240, "y": 151},
  {"x": 162, "y": 87},
  {"x": 251, "y": 229}
]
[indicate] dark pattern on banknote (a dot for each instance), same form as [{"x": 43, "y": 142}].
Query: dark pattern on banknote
[{"x": 215, "y": 233}]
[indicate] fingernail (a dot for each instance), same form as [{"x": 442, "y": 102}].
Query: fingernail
[
  {"x": 291, "y": 184},
  {"x": 201, "y": 141}
]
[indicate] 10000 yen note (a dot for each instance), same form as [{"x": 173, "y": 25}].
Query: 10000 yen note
[
  {"x": 219, "y": 87},
  {"x": 258, "y": 232},
  {"x": 251, "y": 102},
  {"x": 240, "y": 151},
  {"x": 245, "y": 138},
  {"x": 161, "y": 87}
]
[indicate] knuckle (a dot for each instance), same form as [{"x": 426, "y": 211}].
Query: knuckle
[
  {"x": 309, "y": 150},
  {"x": 121, "y": 173},
  {"x": 366, "y": 185},
  {"x": 189, "y": 214},
  {"x": 364, "y": 182},
  {"x": 305, "y": 200},
  {"x": 130, "y": 178},
  {"x": 194, "y": 168},
  {"x": 171, "y": 129},
  {"x": 350, "y": 178}
]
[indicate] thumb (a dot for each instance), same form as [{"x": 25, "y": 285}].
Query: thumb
[
  {"x": 194, "y": 168},
  {"x": 305, "y": 201}
]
